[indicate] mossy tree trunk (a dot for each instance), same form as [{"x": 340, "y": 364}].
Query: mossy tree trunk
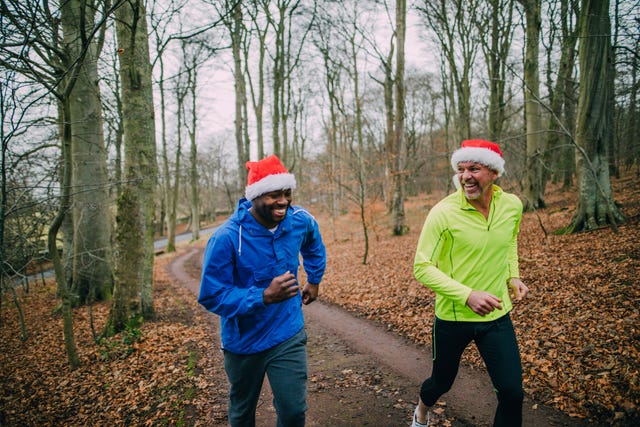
[
  {"x": 595, "y": 207},
  {"x": 91, "y": 263},
  {"x": 135, "y": 219},
  {"x": 533, "y": 197}
]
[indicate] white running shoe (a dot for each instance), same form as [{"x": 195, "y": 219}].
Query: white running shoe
[{"x": 415, "y": 422}]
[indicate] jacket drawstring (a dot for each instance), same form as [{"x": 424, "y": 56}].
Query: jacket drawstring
[{"x": 240, "y": 241}]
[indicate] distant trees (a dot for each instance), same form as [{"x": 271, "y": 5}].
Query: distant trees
[{"x": 23, "y": 217}]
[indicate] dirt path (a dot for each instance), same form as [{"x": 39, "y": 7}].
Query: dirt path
[{"x": 362, "y": 375}]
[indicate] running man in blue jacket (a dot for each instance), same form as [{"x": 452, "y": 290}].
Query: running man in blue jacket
[{"x": 250, "y": 280}]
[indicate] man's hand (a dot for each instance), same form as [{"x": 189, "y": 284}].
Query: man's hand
[
  {"x": 520, "y": 290},
  {"x": 483, "y": 303},
  {"x": 309, "y": 293},
  {"x": 281, "y": 288}
]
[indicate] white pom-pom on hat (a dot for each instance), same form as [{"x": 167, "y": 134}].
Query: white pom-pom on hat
[
  {"x": 480, "y": 151},
  {"x": 266, "y": 175}
]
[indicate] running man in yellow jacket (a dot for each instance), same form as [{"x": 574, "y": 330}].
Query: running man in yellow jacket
[{"x": 468, "y": 254}]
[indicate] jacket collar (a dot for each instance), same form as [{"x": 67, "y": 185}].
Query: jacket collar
[
  {"x": 243, "y": 217},
  {"x": 464, "y": 203}
]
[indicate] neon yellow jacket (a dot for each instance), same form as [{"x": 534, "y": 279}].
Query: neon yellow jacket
[{"x": 459, "y": 250}]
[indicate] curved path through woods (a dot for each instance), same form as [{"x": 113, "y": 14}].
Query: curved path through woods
[{"x": 358, "y": 342}]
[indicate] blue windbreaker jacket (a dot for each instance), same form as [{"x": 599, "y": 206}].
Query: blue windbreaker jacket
[{"x": 241, "y": 259}]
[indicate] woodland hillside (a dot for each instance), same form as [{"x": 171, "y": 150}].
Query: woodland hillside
[{"x": 578, "y": 330}]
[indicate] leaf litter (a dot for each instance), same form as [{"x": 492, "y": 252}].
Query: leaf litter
[{"x": 578, "y": 329}]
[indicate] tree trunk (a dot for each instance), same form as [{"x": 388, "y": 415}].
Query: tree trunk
[
  {"x": 596, "y": 206},
  {"x": 92, "y": 268},
  {"x": 533, "y": 197},
  {"x": 399, "y": 176},
  {"x": 361, "y": 172},
  {"x": 136, "y": 208},
  {"x": 389, "y": 135},
  {"x": 257, "y": 98},
  {"x": 497, "y": 55},
  {"x": 166, "y": 175},
  {"x": 193, "y": 155},
  {"x": 172, "y": 195},
  {"x": 331, "y": 86},
  {"x": 62, "y": 279},
  {"x": 236, "y": 29},
  {"x": 558, "y": 148},
  {"x": 278, "y": 81}
]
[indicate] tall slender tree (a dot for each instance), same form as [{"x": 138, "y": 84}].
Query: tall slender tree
[
  {"x": 496, "y": 47},
  {"x": 232, "y": 13},
  {"x": 533, "y": 197},
  {"x": 260, "y": 27},
  {"x": 332, "y": 70},
  {"x": 173, "y": 191},
  {"x": 192, "y": 125},
  {"x": 400, "y": 149},
  {"x": 559, "y": 158}
]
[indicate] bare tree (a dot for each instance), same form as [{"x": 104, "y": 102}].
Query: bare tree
[
  {"x": 559, "y": 159},
  {"x": 260, "y": 28},
  {"x": 453, "y": 25},
  {"x": 332, "y": 67},
  {"x": 286, "y": 59},
  {"x": 399, "y": 152},
  {"x": 237, "y": 31},
  {"x": 24, "y": 182},
  {"x": 161, "y": 39},
  {"x": 496, "y": 47},
  {"x": 173, "y": 191},
  {"x": 626, "y": 42},
  {"x": 61, "y": 278},
  {"x": 232, "y": 17},
  {"x": 533, "y": 197},
  {"x": 353, "y": 123},
  {"x": 191, "y": 125},
  {"x": 596, "y": 206}
]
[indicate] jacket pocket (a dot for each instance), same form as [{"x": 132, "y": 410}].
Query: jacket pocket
[{"x": 264, "y": 275}]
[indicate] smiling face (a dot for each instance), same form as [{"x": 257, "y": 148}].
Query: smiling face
[
  {"x": 476, "y": 180},
  {"x": 270, "y": 208}
]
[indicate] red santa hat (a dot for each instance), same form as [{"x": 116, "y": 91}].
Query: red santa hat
[
  {"x": 266, "y": 175},
  {"x": 479, "y": 151}
]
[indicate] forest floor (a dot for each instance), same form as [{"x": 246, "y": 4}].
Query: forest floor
[{"x": 579, "y": 333}]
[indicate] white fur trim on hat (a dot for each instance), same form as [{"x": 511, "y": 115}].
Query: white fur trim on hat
[
  {"x": 484, "y": 156},
  {"x": 274, "y": 182}
]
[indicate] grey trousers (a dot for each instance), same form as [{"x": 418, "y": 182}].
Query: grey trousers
[{"x": 286, "y": 368}]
